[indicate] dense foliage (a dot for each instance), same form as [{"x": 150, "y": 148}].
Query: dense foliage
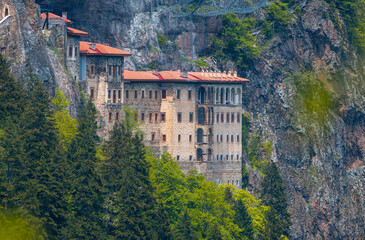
[{"x": 56, "y": 184}]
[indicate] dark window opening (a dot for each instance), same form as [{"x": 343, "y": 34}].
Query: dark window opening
[
  {"x": 92, "y": 93},
  {"x": 217, "y": 138},
  {"x": 150, "y": 93},
  {"x": 221, "y": 138},
  {"x": 217, "y": 117},
  {"x": 150, "y": 117},
  {"x": 6, "y": 12},
  {"x": 156, "y": 117},
  {"x": 191, "y": 117},
  {"x": 117, "y": 116},
  {"x": 126, "y": 93},
  {"x": 232, "y": 118},
  {"x": 199, "y": 154},
  {"x": 92, "y": 69},
  {"x": 200, "y": 133},
  {"x": 190, "y": 138},
  {"x": 232, "y": 140},
  {"x": 179, "y": 138},
  {"x": 177, "y": 94},
  {"x": 76, "y": 52},
  {"x": 201, "y": 115},
  {"x": 227, "y": 138},
  {"x": 201, "y": 95},
  {"x": 178, "y": 157},
  {"x": 156, "y": 94},
  {"x": 142, "y": 116},
  {"x": 163, "y": 138},
  {"x": 142, "y": 94},
  {"x": 179, "y": 117},
  {"x": 238, "y": 138},
  {"x": 114, "y": 72},
  {"x": 238, "y": 117},
  {"x": 238, "y": 157},
  {"x": 190, "y": 158},
  {"x": 109, "y": 93},
  {"x": 110, "y": 117},
  {"x": 114, "y": 96},
  {"x": 70, "y": 51},
  {"x": 163, "y": 117},
  {"x": 119, "y": 94},
  {"x": 189, "y": 95},
  {"x": 135, "y": 94},
  {"x": 227, "y": 117},
  {"x": 119, "y": 71},
  {"x": 209, "y": 154},
  {"x": 222, "y": 118},
  {"x": 163, "y": 94},
  {"x": 153, "y": 137},
  {"x": 110, "y": 70}
]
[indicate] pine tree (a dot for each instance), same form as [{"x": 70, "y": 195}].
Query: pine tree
[
  {"x": 85, "y": 185},
  {"x": 214, "y": 233},
  {"x": 184, "y": 229},
  {"x": 243, "y": 219},
  {"x": 129, "y": 201},
  {"x": 273, "y": 195}
]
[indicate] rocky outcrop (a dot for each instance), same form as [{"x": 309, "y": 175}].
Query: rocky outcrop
[{"x": 24, "y": 45}]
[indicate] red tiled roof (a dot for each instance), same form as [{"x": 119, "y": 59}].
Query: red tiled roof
[
  {"x": 75, "y": 32},
  {"x": 51, "y": 15},
  {"x": 175, "y": 76},
  {"x": 101, "y": 49}
]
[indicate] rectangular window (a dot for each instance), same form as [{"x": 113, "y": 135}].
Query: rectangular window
[
  {"x": 238, "y": 138},
  {"x": 190, "y": 138},
  {"x": 142, "y": 116},
  {"x": 177, "y": 157},
  {"x": 191, "y": 117},
  {"x": 232, "y": 118},
  {"x": 227, "y": 117},
  {"x": 135, "y": 94},
  {"x": 227, "y": 138},
  {"x": 156, "y": 94},
  {"x": 119, "y": 71},
  {"x": 238, "y": 118},
  {"x": 179, "y": 117},
  {"x": 221, "y": 157},
  {"x": 114, "y": 96},
  {"x": 110, "y": 117},
  {"x": 119, "y": 94},
  {"x": 114, "y": 72},
  {"x": 189, "y": 94},
  {"x": 232, "y": 140},
  {"x": 227, "y": 157},
  {"x": 232, "y": 157},
  {"x": 150, "y": 117},
  {"x": 217, "y": 117},
  {"x": 179, "y": 138},
  {"x": 142, "y": 94},
  {"x": 126, "y": 93},
  {"x": 92, "y": 69},
  {"x": 156, "y": 117},
  {"x": 76, "y": 52},
  {"x": 163, "y": 138},
  {"x": 178, "y": 94},
  {"x": 117, "y": 116},
  {"x": 190, "y": 158},
  {"x": 222, "y": 118},
  {"x": 110, "y": 70},
  {"x": 153, "y": 137},
  {"x": 150, "y": 94},
  {"x": 109, "y": 93},
  {"x": 217, "y": 138},
  {"x": 163, "y": 117},
  {"x": 163, "y": 94},
  {"x": 238, "y": 157},
  {"x": 70, "y": 51},
  {"x": 221, "y": 138},
  {"x": 92, "y": 93}
]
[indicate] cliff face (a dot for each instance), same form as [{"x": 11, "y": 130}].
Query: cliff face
[
  {"x": 320, "y": 151},
  {"x": 23, "y": 44}
]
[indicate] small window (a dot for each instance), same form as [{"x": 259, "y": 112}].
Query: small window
[
  {"x": 232, "y": 140},
  {"x": 119, "y": 71},
  {"x": 217, "y": 117},
  {"x": 6, "y": 12},
  {"x": 150, "y": 117},
  {"x": 110, "y": 117},
  {"x": 227, "y": 157},
  {"x": 126, "y": 93},
  {"x": 178, "y": 94},
  {"x": 221, "y": 157},
  {"x": 142, "y": 116},
  {"x": 238, "y": 118},
  {"x": 163, "y": 137},
  {"x": 189, "y": 94},
  {"x": 191, "y": 117},
  {"x": 110, "y": 70},
  {"x": 227, "y": 138},
  {"x": 178, "y": 157},
  {"x": 119, "y": 94},
  {"x": 163, "y": 117},
  {"x": 217, "y": 157},
  {"x": 238, "y": 138},
  {"x": 227, "y": 117},
  {"x": 156, "y": 117},
  {"x": 114, "y": 72},
  {"x": 179, "y": 138},
  {"x": 135, "y": 94},
  {"x": 190, "y": 138},
  {"x": 114, "y": 96},
  {"x": 163, "y": 94},
  {"x": 92, "y": 69},
  {"x": 109, "y": 94},
  {"x": 117, "y": 116},
  {"x": 153, "y": 137},
  {"x": 232, "y": 157},
  {"x": 217, "y": 138},
  {"x": 221, "y": 138},
  {"x": 238, "y": 157},
  {"x": 76, "y": 52},
  {"x": 156, "y": 94},
  {"x": 222, "y": 118},
  {"x": 92, "y": 93},
  {"x": 191, "y": 158},
  {"x": 142, "y": 94},
  {"x": 179, "y": 117},
  {"x": 150, "y": 94},
  {"x": 232, "y": 118},
  {"x": 70, "y": 51}
]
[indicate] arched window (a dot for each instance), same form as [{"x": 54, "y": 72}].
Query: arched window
[
  {"x": 222, "y": 95},
  {"x": 232, "y": 96},
  {"x": 227, "y": 95},
  {"x": 200, "y": 134},
  {"x": 209, "y": 115},
  {"x": 201, "y": 115},
  {"x": 199, "y": 154},
  {"x": 210, "y": 135},
  {"x": 238, "y": 96},
  {"x": 217, "y": 95},
  {"x": 201, "y": 95},
  {"x": 210, "y": 154}
]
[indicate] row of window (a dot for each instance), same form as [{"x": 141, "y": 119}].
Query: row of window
[
  {"x": 218, "y": 157},
  {"x": 232, "y": 182},
  {"x": 72, "y": 52},
  {"x": 161, "y": 117},
  {"x": 228, "y": 138},
  {"x": 142, "y": 94}
]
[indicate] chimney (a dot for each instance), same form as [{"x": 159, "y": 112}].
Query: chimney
[
  {"x": 93, "y": 46},
  {"x": 64, "y": 15},
  {"x": 224, "y": 74},
  {"x": 219, "y": 74},
  {"x": 184, "y": 74},
  {"x": 229, "y": 74},
  {"x": 235, "y": 74}
]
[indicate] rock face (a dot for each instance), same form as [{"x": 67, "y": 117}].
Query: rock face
[
  {"x": 22, "y": 42},
  {"x": 322, "y": 163}
]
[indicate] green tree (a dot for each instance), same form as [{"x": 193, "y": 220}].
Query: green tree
[
  {"x": 243, "y": 219},
  {"x": 278, "y": 15},
  {"x": 84, "y": 196},
  {"x": 129, "y": 201},
  {"x": 214, "y": 233},
  {"x": 184, "y": 229},
  {"x": 273, "y": 195}
]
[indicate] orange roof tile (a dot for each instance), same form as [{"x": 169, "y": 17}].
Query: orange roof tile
[
  {"x": 51, "y": 15},
  {"x": 75, "y": 32},
  {"x": 101, "y": 49},
  {"x": 175, "y": 76}
]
